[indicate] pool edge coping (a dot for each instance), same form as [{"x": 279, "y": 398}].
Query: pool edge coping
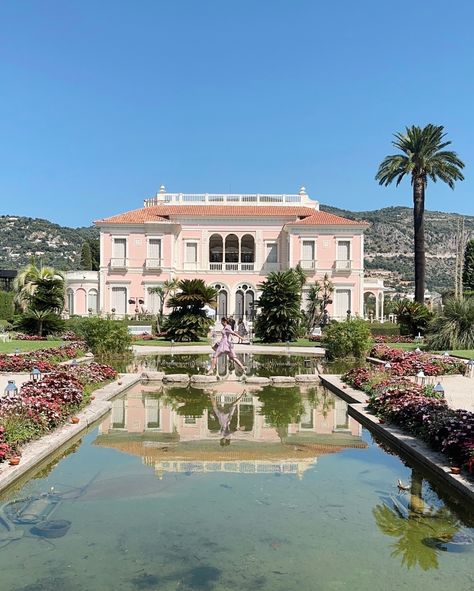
[
  {"x": 436, "y": 462},
  {"x": 36, "y": 452}
]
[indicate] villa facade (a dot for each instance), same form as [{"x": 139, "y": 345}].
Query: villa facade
[{"x": 230, "y": 241}]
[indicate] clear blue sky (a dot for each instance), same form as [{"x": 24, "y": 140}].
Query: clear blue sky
[{"x": 102, "y": 101}]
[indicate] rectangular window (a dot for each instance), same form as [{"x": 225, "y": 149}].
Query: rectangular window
[
  {"x": 154, "y": 249},
  {"x": 307, "y": 250},
  {"x": 343, "y": 250},
  {"x": 119, "y": 300},
  {"x": 343, "y": 302},
  {"x": 153, "y": 302},
  {"x": 271, "y": 254},
  {"x": 118, "y": 414},
  {"x": 191, "y": 252},
  {"x": 152, "y": 412},
  {"x": 119, "y": 250}
]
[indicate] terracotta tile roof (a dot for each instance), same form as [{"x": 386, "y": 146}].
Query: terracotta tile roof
[
  {"x": 324, "y": 218},
  {"x": 158, "y": 213}
]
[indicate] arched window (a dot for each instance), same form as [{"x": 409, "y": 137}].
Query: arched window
[
  {"x": 239, "y": 304},
  {"x": 231, "y": 249},
  {"x": 247, "y": 249},
  {"x": 216, "y": 249},
  {"x": 222, "y": 300},
  {"x": 92, "y": 301},
  {"x": 70, "y": 301},
  {"x": 244, "y": 301}
]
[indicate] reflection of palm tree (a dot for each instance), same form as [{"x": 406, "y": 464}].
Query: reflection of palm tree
[{"x": 414, "y": 528}]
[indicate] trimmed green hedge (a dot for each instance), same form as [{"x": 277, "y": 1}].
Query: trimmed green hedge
[{"x": 387, "y": 329}]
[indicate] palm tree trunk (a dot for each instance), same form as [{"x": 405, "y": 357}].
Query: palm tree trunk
[
  {"x": 417, "y": 504},
  {"x": 419, "y": 232}
]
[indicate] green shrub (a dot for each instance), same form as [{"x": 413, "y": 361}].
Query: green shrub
[
  {"x": 413, "y": 317},
  {"x": 387, "y": 329},
  {"x": 453, "y": 328},
  {"x": 280, "y": 318},
  {"x": 4, "y": 325},
  {"x": 103, "y": 336},
  {"x": 38, "y": 322},
  {"x": 6, "y": 305},
  {"x": 350, "y": 338},
  {"x": 20, "y": 428},
  {"x": 187, "y": 327}
]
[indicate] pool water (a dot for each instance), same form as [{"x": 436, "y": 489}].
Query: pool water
[
  {"x": 256, "y": 363},
  {"x": 230, "y": 488}
]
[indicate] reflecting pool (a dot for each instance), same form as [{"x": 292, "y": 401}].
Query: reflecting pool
[
  {"x": 232, "y": 487},
  {"x": 257, "y": 364}
]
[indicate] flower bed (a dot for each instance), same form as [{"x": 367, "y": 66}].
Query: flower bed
[
  {"x": 43, "y": 359},
  {"x": 19, "y": 336},
  {"x": 40, "y": 406},
  {"x": 405, "y": 363},
  {"x": 386, "y": 338},
  {"x": 418, "y": 410}
]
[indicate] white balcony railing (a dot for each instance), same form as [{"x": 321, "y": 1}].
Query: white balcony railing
[
  {"x": 231, "y": 267},
  {"x": 344, "y": 265},
  {"x": 220, "y": 198},
  {"x": 308, "y": 265},
  {"x": 153, "y": 264},
  {"x": 119, "y": 263}
]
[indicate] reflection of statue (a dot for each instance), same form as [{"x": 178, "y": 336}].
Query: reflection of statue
[
  {"x": 419, "y": 532},
  {"x": 224, "y": 414}
]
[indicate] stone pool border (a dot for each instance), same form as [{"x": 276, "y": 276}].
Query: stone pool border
[
  {"x": 435, "y": 462},
  {"x": 36, "y": 452}
]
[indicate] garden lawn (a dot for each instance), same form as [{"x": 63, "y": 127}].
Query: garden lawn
[
  {"x": 298, "y": 343},
  {"x": 12, "y": 346},
  {"x": 465, "y": 354}
]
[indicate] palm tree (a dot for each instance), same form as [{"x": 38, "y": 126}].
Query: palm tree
[
  {"x": 453, "y": 328},
  {"x": 423, "y": 157},
  {"x": 188, "y": 321},
  {"x": 319, "y": 297},
  {"x": 39, "y": 288},
  {"x": 417, "y": 530},
  {"x": 168, "y": 287}
]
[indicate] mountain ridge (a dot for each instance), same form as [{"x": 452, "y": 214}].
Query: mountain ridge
[{"x": 388, "y": 243}]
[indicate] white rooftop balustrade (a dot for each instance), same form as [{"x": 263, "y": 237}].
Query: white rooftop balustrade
[{"x": 162, "y": 197}]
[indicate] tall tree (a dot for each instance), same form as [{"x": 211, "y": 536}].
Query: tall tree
[
  {"x": 468, "y": 268},
  {"x": 94, "y": 244},
  {"x": 423, "y": 157},
  {"x": 86, "y": 257}
]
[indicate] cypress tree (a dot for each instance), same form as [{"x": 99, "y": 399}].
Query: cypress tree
[
  {"x": 468, "y": 269},
  {"x": 95, "y": 253},
  {"x": 86, "y": 257}
]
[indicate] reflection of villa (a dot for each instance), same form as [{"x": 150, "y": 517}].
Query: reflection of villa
[
  {"x": 230, "y": 241},
  {"x": 151, "y": 426}
]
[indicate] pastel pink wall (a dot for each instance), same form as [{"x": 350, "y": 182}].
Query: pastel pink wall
[{"x": 137, "y": 278}]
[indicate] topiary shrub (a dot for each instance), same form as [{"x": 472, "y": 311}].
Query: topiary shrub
[{"x": 350, "y": 338}]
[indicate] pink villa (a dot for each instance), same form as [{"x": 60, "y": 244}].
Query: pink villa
[{"x": 230, "y": 241}]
